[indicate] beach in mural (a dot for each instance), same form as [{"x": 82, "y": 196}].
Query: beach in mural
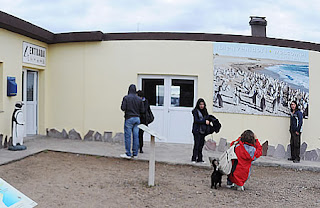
[{"x": 262, "y": 80}]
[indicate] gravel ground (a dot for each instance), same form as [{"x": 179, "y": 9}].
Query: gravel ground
[{"x": 55, "y": 179}]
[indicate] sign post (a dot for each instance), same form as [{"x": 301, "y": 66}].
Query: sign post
[{"x": 152, "y": 160}]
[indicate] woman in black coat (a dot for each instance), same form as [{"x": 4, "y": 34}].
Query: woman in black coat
[
  {"x": 200, "y": 114},
  {"x": 295, "y": 131}
]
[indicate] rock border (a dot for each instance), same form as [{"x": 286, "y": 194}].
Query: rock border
[
  {"x": 278, "y": 151},
  {"x": 91, "y": 135}
]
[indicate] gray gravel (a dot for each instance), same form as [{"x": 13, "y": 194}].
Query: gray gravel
[{"x": 55, "y": 179}]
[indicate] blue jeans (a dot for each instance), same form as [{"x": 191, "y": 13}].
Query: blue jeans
[{"x": 131, "y": 125}]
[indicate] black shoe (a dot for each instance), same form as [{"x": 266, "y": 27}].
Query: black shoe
[
  {"x": 141, "y": 151},
  {"x": 291, "y": 159},
  {"x": 296, "y": 161}
]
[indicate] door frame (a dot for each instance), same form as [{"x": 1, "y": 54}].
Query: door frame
[
  {"x": 195, "y": 89},
  {"x": 167, "y": 97},
  {"x": 167, "y": 79},
  {"x": 24, "y": 99},
  {"x": 153, "y": 107}
]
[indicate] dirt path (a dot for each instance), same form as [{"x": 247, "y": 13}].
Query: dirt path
[{"x": 67, "y": 180}]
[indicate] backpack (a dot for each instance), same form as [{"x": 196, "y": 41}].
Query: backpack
[
  {"x": 149, "y": 115},
  {"x": 225, "y": 160}
]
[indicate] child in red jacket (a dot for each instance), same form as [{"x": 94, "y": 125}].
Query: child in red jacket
[{"x": 247, "y": 150}]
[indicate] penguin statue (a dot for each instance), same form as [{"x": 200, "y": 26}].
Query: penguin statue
[{"x": 17, "y": 128}]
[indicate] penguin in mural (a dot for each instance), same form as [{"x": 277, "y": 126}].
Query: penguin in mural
[
  {"x": 254, "y": 97},
  {"x": 263, "y": 103},
  {"x": 236, "y": 96},
  {"x": 275, "y": 105},
  {"x": 17, "y": 128},
  {"x": 219, "y": 98}
]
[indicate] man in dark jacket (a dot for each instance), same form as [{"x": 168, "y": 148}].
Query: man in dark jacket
[{"x": 132, "y": 106}]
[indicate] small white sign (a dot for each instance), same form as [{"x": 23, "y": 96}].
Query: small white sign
[
  {"x": 33, "y": 54},
  {"x": 150, "y": 131},
  {"x": 11, "y": 197}
]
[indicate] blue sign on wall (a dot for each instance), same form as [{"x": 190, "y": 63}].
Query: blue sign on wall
[{"x": 11, "y": 86}]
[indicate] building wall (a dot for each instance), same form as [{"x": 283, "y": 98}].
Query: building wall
[
  {"x": 101, "y": 72},
  {"x": 87, "y": 81},
  {"x": 83, "y": 85},
  {"x": 311, "y": 125},
  {"x": 11, "y": 65}
]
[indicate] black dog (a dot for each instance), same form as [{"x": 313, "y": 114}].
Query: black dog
[{"x": 216, "y": 175}]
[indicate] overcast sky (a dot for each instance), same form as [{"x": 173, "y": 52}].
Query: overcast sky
[{"x": 288, "y": 19}]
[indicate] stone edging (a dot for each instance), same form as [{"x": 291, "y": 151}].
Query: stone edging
[
  {"x": 6, "y": 142},
  {"x": 90, "y": 135},
  {"x": 269, "y": 150}
]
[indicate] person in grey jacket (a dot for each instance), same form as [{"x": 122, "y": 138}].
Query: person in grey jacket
[
  {"x": 295, "y": 131},
  {"x": 132, "y": 106}
]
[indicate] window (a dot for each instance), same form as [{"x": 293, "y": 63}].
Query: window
[
  {"x": 182, "y": 93},
  {"x": 154, "y": 91},
  {"x": 30, "y": 86}
]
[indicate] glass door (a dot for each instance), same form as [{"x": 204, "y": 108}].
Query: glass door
[
  {"x": 154, "y": 91},
  {"x": 182, "y": 100},
  {"x": 30, "y": 100},
  {"x": 171, "y": 99}
]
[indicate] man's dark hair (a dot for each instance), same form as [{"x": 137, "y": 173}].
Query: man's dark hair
[
  {"x": 248, "y": 137},
  {"x": 140, "y": 93}
]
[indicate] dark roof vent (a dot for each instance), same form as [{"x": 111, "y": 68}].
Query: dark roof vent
[{"x": 258, "y": 26}]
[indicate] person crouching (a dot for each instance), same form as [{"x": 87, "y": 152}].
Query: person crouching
[{"x": 247, "y": 149}]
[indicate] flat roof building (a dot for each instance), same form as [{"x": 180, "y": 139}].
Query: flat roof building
[{"x": 77, "y": 81}]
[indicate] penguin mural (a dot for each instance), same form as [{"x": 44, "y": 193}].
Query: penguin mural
[
  {"x": 17, "y": 128},
  {"x": 236, "y": 96},
  {"x": 275, "y": 105},
  {"x": 220, "y": 101},
  {"x": 263, "y": 103},
  {"x": 219, "y": 98},
  {"x": 306, "y": 112},
  {"x": 254, "y": 98}
]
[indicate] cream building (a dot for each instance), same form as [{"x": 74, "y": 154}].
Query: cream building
[{"x": 77, "y": 81}]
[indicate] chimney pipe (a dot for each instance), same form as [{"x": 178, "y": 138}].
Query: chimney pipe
[{"x": 258, "y": 26}]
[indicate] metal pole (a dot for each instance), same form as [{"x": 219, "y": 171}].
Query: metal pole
[{"x": 152, "y": 162}]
